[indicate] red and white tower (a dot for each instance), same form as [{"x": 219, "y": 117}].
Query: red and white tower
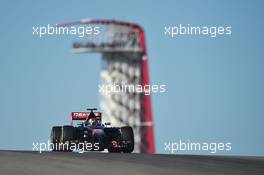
[{"x": 124, "y": 61}]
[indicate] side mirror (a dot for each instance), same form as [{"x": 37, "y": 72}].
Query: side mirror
[{"x": 107, "y": 123}]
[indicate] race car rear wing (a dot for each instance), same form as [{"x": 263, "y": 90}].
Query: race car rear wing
[{"x": 82, "y": 115}]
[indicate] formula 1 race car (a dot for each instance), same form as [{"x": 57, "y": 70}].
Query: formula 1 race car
[{"x": 91, "y": 135}]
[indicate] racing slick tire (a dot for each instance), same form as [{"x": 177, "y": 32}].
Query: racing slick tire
[
  {"x": 128, "y": 139},
  {"x": 113, "y": 150},
  {"x": 113, "y": 135},
  {"x": 55, "y": 137},
  {"x": 67, "y": 137}
]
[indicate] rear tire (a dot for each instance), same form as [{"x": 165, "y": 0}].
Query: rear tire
[
  {"x": 55, "y": 137},
  {"x": 128, "y": 138},
  {"x": 112, "y": 135},
  {"x": 68, "y": 137},
  {"x": 113, "y": 150}
]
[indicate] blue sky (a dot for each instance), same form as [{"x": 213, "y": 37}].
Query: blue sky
[{"x": 214, "y": 85}]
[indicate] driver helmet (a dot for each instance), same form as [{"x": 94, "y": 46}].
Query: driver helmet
[{"x": 92, "y": 121}]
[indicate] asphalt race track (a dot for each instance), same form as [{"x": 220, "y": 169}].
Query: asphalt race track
[{"x": 34, "y": 163}]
